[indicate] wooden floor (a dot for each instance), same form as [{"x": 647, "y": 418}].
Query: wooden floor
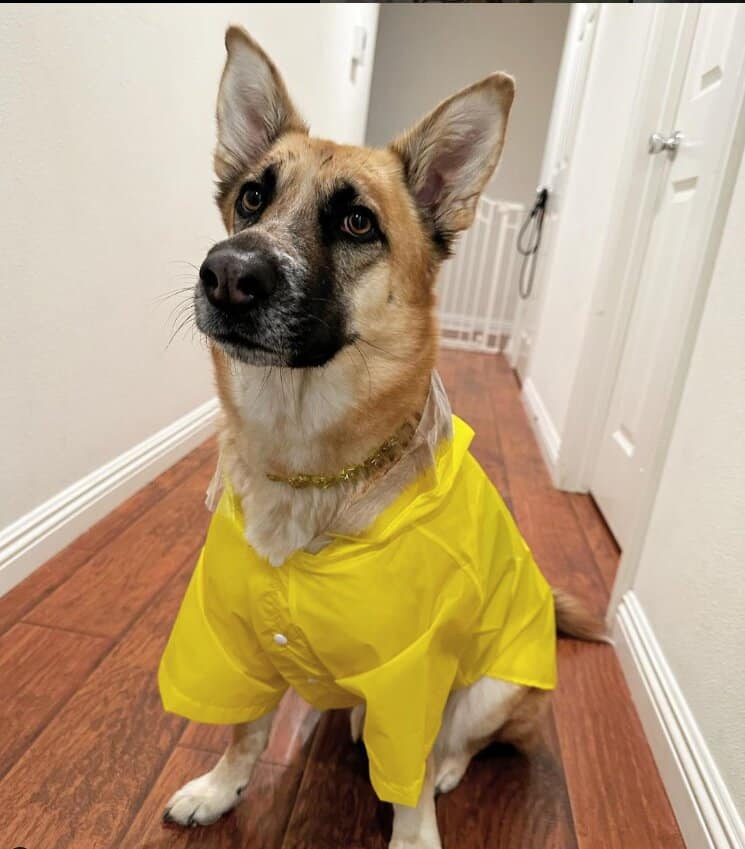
[{"x": 88, "y": 758}]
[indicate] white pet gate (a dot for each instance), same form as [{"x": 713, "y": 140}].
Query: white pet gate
[{"x": 477, "y": 288}]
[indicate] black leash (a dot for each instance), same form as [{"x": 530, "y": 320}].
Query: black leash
[{"x": 534, "y": 224}]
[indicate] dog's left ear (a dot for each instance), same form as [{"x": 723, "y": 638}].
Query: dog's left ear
[
  {"x": 451, "y": 153},
  {"x": 253, "y": 107}
]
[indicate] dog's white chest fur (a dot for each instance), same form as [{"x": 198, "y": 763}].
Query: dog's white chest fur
[
  {"x": 283, "y": 423},
  {"x": 285, "y": 413}
]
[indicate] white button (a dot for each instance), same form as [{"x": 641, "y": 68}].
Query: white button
[{"x": 280, "y": 639}]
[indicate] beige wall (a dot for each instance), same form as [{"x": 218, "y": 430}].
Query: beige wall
[
  {"x": 691, "y": 575},
  {"x": 106, "y": 137},
  {"x": 426, "y": 52}
]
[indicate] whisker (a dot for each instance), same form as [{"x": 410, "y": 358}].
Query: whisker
[
  {"x": 178, "y": 329},
  {"x": 295, "y": 397},
  {"x": 172, "y": 294},
  {"x": 323, "y": 322},
  {"x": 282, "y": 383},
  {"x": 180, "y": 310},
  {"x": 369, "y": 376},
  {"x": 382, "y": 350},
  {"x": 184, "y": 262},
  {"x": 180, "y": 317},
  {"x": 267, "y": 374}
]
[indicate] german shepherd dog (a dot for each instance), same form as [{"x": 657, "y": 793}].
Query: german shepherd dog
[{"x": 319, "y": 311}]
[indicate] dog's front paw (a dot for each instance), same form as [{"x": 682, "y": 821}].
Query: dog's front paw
[{"x": 202, "y": 801}]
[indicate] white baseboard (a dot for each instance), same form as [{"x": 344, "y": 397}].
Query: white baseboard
[
  {"x": 41, "y": 533},
  {"x": 543, "y": 428},
  {"x": 702, "y": 804}
]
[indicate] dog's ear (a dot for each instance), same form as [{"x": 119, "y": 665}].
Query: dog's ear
[
  {"x": 451, "y": 153},
  {"x": 253, "y": 107}
]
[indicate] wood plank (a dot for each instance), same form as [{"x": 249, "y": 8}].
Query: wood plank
[
  {"x": 544, "y": 514},
  {"x": 259, "y": 821},
  {"x": 510, "y": 800},
  {"x": 506, "y": 800},
  {"x": 520, "y": 450},
  {"x": 206, "y": 738},
  {"x": 604, "y": 548},
  {"x": 83, "y": 778},
  {"x": 495, "y": 475},
  {"x": 147, "y": 830},
  {"x": 447, "y": 366},
  {"x": 293, "y": 729},
  {"x": 468, "y": 381},
  {"x": 475, "y": 384},
  {"x": 40, "y": 583},
  {"x": 618, "y": 800},
  {"x": 39, "y": 669},
  {"x": 336, "y": 805},
  {"x": 293, "y": 726},
  {"x": 45, "y": 579},
  {"x": 107, "y": 592},
  {"x": 104, "y": 531}
]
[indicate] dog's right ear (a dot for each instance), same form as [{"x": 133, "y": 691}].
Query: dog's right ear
[
  {"x": 253, "y": 107},
  {"x": 451, "y": 153}
]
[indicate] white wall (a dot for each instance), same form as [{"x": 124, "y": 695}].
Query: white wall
[
  {"x": 690, "y": 579},
  {"x": 570, "y": 273},
  {"x": 106, "y": 138},
  {"x": 425, "y": 53}
]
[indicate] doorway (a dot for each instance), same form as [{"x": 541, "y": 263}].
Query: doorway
[
  {"x": 654, "y": 274},
  {"x": 686, "y": 191}
]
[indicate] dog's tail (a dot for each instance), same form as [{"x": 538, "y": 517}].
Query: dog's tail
[{"x": 575, "y": 620}]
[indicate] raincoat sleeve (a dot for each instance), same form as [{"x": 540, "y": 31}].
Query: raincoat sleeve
[{"x": 213, "y": 669}]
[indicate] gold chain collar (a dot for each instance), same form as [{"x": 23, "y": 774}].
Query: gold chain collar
[{"x": 386, "y": 454}]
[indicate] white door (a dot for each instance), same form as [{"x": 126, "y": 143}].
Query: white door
[
  {"x": 557, "y": 158},
  {"x": 673, "y": 272}
]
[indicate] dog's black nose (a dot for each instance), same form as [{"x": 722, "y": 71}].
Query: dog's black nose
[{"x": 233, "y": 280}]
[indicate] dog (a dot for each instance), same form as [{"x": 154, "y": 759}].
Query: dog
[{"x": 351, "y": 503}]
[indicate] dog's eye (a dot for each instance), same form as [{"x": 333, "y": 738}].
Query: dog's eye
[
  {"x": 358, "y": 223},
  {"x": 251, "y": 199}
]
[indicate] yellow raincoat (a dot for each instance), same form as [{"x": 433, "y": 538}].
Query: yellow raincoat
[{"x": 439, "y": 591}]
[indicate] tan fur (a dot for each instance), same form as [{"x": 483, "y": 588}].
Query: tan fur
[
  {"x": 523, "y": 728},
  {"x": 575, "y": 620}
]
